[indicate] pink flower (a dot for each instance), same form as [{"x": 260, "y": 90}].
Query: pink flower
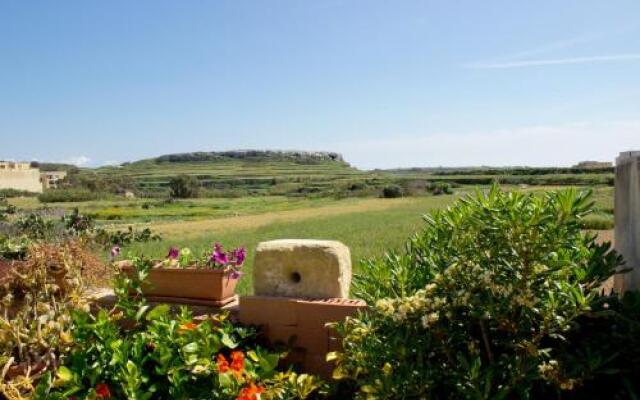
[
  {"x": 115, "y": 251},
  {"x": 174, "y": 253}
]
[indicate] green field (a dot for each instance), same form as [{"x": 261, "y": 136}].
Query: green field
[
  {"x": 368, "y": 226},
  {"x": 367, "y": 233}
]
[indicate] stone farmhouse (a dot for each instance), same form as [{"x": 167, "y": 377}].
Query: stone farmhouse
[{"x": 22, "y": 176}]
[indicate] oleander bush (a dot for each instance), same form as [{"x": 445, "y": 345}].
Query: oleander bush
[{"x": 476, "y": 305}]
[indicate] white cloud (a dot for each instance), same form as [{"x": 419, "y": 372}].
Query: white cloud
[
  {"x": 555, "y": 61},
  {"x": 111, "y": 163},
  {"x": 544, "y": 145},
  {"x": 78, "y": 161}
]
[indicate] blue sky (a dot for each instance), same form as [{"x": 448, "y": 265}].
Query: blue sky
[{"x": 386, "y": 83}]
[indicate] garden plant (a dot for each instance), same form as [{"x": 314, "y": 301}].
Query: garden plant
[{"x": 484, "y": 303}]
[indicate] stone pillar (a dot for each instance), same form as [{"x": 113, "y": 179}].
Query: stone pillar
[{"x": 627, "y": 218}]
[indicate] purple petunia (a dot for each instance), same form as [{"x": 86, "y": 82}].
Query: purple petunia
[
  {"x": 235, "y": 274},
  {"x": 174, "y": 253},
  {"x": 219, "y": 256},
  {"x": 239, "y": 255}
]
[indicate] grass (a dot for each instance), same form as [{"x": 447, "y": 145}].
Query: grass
[{"x": 367, "y": 228}]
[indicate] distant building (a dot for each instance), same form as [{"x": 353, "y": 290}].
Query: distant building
[
  {"x": 51, "y": 179},
  {"x": 593, "y": 164},
  {"x": 23, "y": 176},
  {"x": 20, "y": 176}
]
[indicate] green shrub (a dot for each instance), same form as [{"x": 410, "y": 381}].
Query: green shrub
[
  {"x": 36, "y": 227},
  {"x": 184, "y": 187},
  {"x": 602, "y": 351},
  {"x": 8, "y": 193},
  {"x": 438, "y": 188},
  {"x": 6, "y": 209},
  {"x": 67, "y": 195},
  {"x": 467, "y": 310},
  {"x": 598, "y": 222},
  {"x": 391, "y": 192}
]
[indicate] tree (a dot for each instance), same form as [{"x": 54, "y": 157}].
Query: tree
[{"x": 184, "y": 187}]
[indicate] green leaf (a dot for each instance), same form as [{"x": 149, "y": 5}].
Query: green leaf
[
  {"x": 64, "y": 374},
  {"x": 141, "y": 312},
  {"x": 190, "y": 348},
  {"x": 158, "y": 312},
  {"x": 227, "y": 341},
  {"x": 226, "y": 381}
]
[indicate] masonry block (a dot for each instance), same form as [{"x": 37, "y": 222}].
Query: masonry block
[
  {"x": 302, "y": 268},
  {"x": 263, "y": 310}
]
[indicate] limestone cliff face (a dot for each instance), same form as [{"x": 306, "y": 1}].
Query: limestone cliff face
[{"x": 254, "y": 155}]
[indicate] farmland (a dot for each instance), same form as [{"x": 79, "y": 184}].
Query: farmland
[
  {"x": 249, "y": 197},
  {"x": 369, "y": 226}
]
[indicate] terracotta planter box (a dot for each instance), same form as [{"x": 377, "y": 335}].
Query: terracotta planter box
[
  {"x": 189, "y": 285},
  {"x": 301, "y": 323}
]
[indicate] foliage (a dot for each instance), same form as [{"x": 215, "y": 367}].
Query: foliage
[
  {"x": 602, "y": 350},
  {"x": 98, "y": 183},
  {"x": 77, "y": 224},
  {"x": 438, "y": 188},
  {"x": 6, "y": 209},
  {"x": 35, "y": 226},
  {"x": 598, "y": 222},
  {"x": 184, "y": 187},
  {"x": 468, "y": 310},
  {"x": 67, "y": 195},
  {"x": 123, "y": 238},
  {"x": 37, "y": 296},
  {"x": 8, "y": 193},
  {"x": 137, "y": 352},
  {"x": 391, "y": 192},
  {"x": 14, "y": 248}
]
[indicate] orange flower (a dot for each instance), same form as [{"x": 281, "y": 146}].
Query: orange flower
[
  {"x": 189, "y": 326},
  {"x": 223, "y": 364},
  {"x": 252, "y": 392},
  {"x": 102, "y": 391},
  {"x": 237, "y": 363}
]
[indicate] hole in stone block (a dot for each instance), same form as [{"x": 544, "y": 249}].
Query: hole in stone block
[{"x": 295, "y": 277}]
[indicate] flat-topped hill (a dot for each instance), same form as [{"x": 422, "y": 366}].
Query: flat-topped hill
[{"x": 252, "y": 170}]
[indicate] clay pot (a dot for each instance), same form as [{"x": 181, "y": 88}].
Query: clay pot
[{"x": 205, "y": 285}]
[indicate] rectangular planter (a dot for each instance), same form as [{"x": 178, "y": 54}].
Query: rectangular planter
[{"x": 194, "y": 285}]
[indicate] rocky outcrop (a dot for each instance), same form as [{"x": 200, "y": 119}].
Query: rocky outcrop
[{"x": 254, "y": 155}]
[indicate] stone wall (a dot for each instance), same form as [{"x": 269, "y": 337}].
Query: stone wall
[
  {"x": 627, "y": 218},
  {"x": 21, "y": 179}
]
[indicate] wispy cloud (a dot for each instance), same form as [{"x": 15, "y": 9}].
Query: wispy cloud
[
  {"x": 555, "y": 61},
  {"x": 78, "y": 161}
]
